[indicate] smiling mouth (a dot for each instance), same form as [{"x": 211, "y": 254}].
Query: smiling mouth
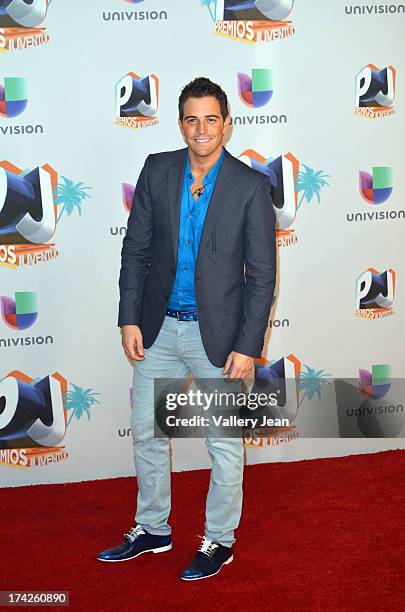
[{"x": 202, "y": 140}]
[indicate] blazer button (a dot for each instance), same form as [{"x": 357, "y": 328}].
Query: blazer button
[{"x": 172, "y": 270}]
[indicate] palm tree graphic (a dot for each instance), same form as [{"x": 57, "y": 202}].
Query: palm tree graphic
[
  {"x": 80, "y": 401},
  {"x": 208, "y": 3},
  {"x": 310, "y": 182},
  {"x": 71, "y": 195},
  {"x": 311, "y": 382}
]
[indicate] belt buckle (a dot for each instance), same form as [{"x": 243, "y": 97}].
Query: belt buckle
[{"x": 178, "y": 315}]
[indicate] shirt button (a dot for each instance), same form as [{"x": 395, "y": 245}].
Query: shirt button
[
  {"x": 189, "y": 242},
  {"x": 190, "y": 214},
  {"x": 184, "y": 269}
]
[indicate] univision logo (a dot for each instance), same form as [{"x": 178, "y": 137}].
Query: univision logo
[
  {"x": 134, "y": 15},
  {"x": 128, "y": 191},
  {"x": 256, "y": 91},
  {"x": 372, "y": 410},
  {"x": 375, "y": 384},
  {"x": 20, "y": 314},
  {"x": 376, "y": 9},
  {"x": 13, "y": 97},
  {"x": 274, "y": 323},
  {"x": 376, "y": 188},
  {"x": 13, "y": 102}
]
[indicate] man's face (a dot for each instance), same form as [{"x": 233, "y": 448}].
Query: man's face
[{"x": 202, "y": 126}]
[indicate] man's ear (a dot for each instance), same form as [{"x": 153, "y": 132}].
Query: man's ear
[{"x": 180, "y": 125}]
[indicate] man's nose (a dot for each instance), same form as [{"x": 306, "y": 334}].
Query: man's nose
[{"x": 202, "y": 127}]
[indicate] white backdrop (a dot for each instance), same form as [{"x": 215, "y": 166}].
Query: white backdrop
[{"x": 69, "y": 123}]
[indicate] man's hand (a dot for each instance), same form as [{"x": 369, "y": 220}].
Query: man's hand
[
  {"x": 238, "y": 366},
  {"x": 132, "y": 342}
]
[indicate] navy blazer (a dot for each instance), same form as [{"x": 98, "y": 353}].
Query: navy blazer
[{"x": 235, "y": 271}]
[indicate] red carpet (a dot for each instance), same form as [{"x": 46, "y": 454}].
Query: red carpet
[{"x": 315, "y": 535}]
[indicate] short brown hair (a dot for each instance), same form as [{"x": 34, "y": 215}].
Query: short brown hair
[{"x": 200, "y": 88}]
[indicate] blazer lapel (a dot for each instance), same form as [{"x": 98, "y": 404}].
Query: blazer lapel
[
  {"x": 217, "y": 202},
  {"x": 175, "y": 184}
]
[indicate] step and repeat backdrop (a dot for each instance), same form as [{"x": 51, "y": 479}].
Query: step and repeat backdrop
[{"x": 87, "y": 91}]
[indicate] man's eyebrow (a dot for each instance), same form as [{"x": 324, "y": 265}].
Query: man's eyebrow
[{"x": 206, "y": 116}]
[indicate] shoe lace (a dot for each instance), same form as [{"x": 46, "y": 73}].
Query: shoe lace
[
  {"x": 207, "y": 546},
  {"x": 134, "y": 532}
]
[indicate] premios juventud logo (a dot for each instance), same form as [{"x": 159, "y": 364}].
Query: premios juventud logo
[
  {"x": 32, "y": 203},
  {"x": 375, "y": 293},
  {"x": 294, "y": 383},
  {"x": 137, "y": 100},
  {"x": 251, "y": 21},
  {"x": 36, "y": 415},
  {"x": 290, "y": 187},
  {"x": 375, "y": 91},
  {"x": 22, "y": 24}
]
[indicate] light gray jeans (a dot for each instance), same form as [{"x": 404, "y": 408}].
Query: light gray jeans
[{"x": 177, "y": 351}]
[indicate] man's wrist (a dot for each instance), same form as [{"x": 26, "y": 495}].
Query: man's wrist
[{"x": 120, "y": 324}]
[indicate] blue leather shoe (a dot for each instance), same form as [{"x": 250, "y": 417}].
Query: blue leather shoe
[
  {"x": 137, "y": 541},
  {"x": 208, "y": 561}
]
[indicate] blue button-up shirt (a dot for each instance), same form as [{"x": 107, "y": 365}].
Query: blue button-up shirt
[{"x": 192, "y": 217}]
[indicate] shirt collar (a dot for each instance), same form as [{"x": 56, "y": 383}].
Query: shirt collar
[{"x": 211, "y": 176}]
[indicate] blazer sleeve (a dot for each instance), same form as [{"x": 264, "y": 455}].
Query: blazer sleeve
[
  {"x": 260, "y": 271},
  {"x": 136, "y": 252}
]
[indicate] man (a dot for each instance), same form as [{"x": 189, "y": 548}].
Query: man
[{"x": 196, "y": 284}]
